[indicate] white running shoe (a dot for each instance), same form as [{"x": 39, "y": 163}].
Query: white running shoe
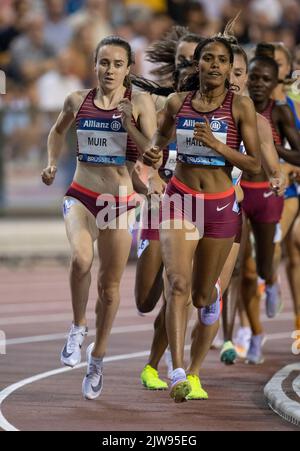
[
  {"x": 71, "y": 352},
  {"x": 93, "y": 382},
  {"x": 242, "y": 341},
  {"x": 169, "y": 363}
]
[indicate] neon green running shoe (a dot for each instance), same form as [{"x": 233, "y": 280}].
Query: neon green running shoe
[
  {"x": 150, "y": 379},
  {"x": 197, "y": 390},
  {"x": 228, "y": 354},
  {"x": 180, "y": 390}
]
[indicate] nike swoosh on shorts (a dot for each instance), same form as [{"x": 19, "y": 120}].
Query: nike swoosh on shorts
[
  {"x": 223, "y": 208},
  {"x": 266, "y": 195}
]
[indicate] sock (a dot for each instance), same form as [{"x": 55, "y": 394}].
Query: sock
[
  {"x": 178, "y": 375},
  {"x": 78, "y": 328},
  {"x": 260, "y": 281}
]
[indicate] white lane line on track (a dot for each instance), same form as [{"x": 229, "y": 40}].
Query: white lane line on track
[
  {"x": 91, "y": 333},
  {"x": 56, "y": 317},
  {"x": 4, "y": 424},
  {"x": 278, "y": 401},
  {"x": 37, "y": 306}
]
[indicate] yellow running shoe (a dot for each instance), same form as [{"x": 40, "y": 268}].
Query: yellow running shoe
[
  {"x": 150, "y": 379},
  {"x": 180, "y": 390},
  {"x": 197, "y": 390}
]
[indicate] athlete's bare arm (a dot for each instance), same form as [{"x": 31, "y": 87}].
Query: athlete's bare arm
[
  {"x": 269, "y": 155},
  {"x": 143, "y": 110},
  {"x": 58, "y": 132},
  {"x": 245, "y": 117},
  {"x": 165, "y": 132},
  {"x": 163, "y": 136},
  {"x": 284, "y": 120}
]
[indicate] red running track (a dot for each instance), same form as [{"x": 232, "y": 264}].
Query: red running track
[{"x": 35, "y": 302}]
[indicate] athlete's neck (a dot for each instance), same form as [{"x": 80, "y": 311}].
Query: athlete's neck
[
  {"x": 109, "y": 98},
  {"x": 261, "y": 106},
  {"x": 211, "y": 95}
]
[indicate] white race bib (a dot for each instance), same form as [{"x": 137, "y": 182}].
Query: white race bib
[
  {"x": 190, "y": 150},
  {"x": 102, "y": 141}
]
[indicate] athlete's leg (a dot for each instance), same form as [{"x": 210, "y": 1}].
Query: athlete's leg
[
  {"x": 148, "y": 281},
  {"x": 250, "y": 295},
  {"x": 210, "y": 257},
  {"x": 293, "y": 267},
  {"x": 160, "y": 338},
  {"x": 178, "y": 253},
  {"x": 243, "y": 335},
  {"x": 289, "y": 214},
  {"x": 230, "y": 285},
  {"x": 81, "y": 232},
  {"x": 113, "y": 249},
  {"x": 264, "y": 246},
  {"x": 203, "y": 335}
]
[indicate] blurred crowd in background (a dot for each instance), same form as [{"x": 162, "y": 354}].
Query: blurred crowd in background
[{"x": 46, "y": 52}]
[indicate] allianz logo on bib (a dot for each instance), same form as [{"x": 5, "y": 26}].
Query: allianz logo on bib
[
  {"x": 115, "y": 126},
  {"x": 101, "y": 125},
  {"x": 215, "y": 126},
  {"x": 189, "y": 123}
]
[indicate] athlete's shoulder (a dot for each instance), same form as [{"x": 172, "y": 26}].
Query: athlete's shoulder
[
  {"x": 140, "y": 96},
  {"x": 74, "y": 100},
  {"x": 242, "y": 107},
  {"x": 141, "y": 100},
  {"x": 159, "y": 101},
  {"x": 263, "y": 126},
  {"x": 283, "y": 111},
  {"x": 262, "y": 121},
  {"x": 176, "y": 99},
  {"x": 242, "y": 101}
]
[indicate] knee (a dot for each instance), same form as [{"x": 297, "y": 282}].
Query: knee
[
  {"x": 81, "y": 263},
  {"x": 142, "y": 306},
  {"x": 108, "y": 295},
  {"x": 293, "y": 261},
  {"x": 178, "y": 286},
  {"x": 200, "y": 300},
  {"x": 141, "y": 301},
  {"x": 203, "y": 298}
]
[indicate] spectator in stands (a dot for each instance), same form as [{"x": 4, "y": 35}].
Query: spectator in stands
[
  {"x": 58, "y": 31},
  {"x": 31, "y": 56},
  {"x": 53, "y": 86},
  {"x": 20, "y": 9},
  {"x": 81, "y": 50},
  {"x": 197, "y": 21},
  {"x": 96, "y": 14}
]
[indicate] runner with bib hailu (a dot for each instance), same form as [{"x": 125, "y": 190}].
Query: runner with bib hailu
[{"x": 211, "y": 121}]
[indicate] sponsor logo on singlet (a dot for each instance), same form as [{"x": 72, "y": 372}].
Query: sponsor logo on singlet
[
  {"x": 101, "y": 141},
  {"x": 192, "y": 151}
]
